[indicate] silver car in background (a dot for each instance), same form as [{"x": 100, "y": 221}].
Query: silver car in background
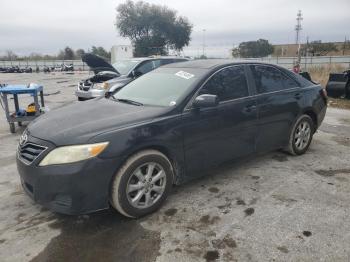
[{"x": 117, "y": 75}]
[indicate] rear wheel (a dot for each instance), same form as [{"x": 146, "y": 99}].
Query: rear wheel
[
  {"x": 142, "y": 184},
  {"x": 301, "y": 135}
]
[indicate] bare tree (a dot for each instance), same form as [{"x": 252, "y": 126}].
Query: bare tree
[{"x": 10, "y": 55}]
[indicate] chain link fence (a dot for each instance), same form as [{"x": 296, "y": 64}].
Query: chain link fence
[
  {"x": 78, "y": 64},
  {"x": 287, "y": 62}
]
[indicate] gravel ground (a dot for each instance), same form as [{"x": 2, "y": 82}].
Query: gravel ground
[{"x": 271, "y": 207}]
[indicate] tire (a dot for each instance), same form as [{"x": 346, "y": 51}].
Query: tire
[
  {"x": 301, "y": 135},
  {"x": 149, "y": 195},
  {"x": 81, "y": 99}
]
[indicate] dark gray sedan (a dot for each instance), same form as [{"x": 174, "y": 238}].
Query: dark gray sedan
[{"x": 166, "y": 127}]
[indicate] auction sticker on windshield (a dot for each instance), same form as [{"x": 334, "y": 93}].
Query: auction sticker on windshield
[{"x": 184, "y": 74}]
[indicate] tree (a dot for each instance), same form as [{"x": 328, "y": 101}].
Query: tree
[
  {"x": 100, "y": 51},
  {"x": 66, "y": 54},
  {"x": 259, "y": 48},
  {"x": 10, "y": 55},
  {"x": 346, "y": 46},
  {"x": 153, "y": 29},
  {"x": 317, "y": 48},
  {"x": 79, "y": 53}
]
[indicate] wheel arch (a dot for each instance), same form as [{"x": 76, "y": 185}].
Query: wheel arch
[
  {"x": 313, "y": 116},
  {"x": 166, "y": 151}
]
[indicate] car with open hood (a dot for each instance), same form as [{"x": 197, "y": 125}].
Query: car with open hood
[
  {"x": 164, "y": 128},
  {"x": 116, "y": 75}
]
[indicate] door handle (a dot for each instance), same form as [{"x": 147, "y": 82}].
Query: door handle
[
  {"x": 298, "y": 96},
  {"x": 250, "y": 108}
]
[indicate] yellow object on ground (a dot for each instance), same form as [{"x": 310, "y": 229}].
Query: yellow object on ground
[{"x": 31, "y": 108}]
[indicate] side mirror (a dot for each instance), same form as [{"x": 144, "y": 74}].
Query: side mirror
[
  {"x": 136, "y": 74},
  {"x": 206, "y": 101}
]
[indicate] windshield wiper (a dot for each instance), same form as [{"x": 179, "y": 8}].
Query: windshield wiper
[{"x": 128, "y": 101}]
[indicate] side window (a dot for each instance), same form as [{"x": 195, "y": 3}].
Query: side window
[
  {"x": 145, "y": 67},
  {"x": 166, "y": 61},
  {"x": 157, "y": 63},
  {"x": 269, "y": 79},
  {"x": 229, "y": 83},
  {"x": 289, "y": 82}
]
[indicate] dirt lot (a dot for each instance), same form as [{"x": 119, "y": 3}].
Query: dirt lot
[{"x": 271, "y": 207}]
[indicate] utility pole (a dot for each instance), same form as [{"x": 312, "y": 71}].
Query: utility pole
[
  {"x": 298, "y": 29},
  {"x": 204, "y": 30}
]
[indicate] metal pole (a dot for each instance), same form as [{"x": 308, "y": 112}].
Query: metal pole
[
  {"x": 203, "y": 42},
  {"x": 298, "y": 29}
]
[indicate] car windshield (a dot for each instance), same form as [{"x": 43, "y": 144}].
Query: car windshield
[
  {"x": 124, "y": 66},
  {"x": 161, "y": 87}
]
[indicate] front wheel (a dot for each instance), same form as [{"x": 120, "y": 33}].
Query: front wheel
[
  {"x": 142, "y": 184},
  {"x": 301, "y": 135}
]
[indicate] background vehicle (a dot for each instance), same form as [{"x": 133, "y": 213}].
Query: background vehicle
[
  {"x": 168, "y": 126},
  {"x": 116, "y": 75},
  {"x": 66, "y": 68},
  {"x": 338, "y": 84}
]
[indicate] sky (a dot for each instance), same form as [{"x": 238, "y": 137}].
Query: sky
[{"x": 46, "y": 26}]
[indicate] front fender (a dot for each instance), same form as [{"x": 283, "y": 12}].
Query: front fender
[{"x": 163, "y": 134}]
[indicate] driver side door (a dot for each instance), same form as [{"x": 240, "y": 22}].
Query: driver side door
[{"x": 218, "y": 134}]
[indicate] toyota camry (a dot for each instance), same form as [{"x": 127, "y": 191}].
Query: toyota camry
[{"x": 164, "y": 128}]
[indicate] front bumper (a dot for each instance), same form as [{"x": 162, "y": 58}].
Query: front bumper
[
  {"x": 76, "y": 188},
  {"x": 92, "y": 93}
]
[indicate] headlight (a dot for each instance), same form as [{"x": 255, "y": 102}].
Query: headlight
[
  {"x": 70, "y": 154},
  {"x": 101, "y": 86}
]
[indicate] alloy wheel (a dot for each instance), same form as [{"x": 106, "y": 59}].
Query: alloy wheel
[
  {"x": 302, "y": 135},
  {"x": 146, "y": 185}
]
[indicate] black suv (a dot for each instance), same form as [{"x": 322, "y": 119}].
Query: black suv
[
  {"x": 116, "y": 75},
  {"x": 166, "y": 127}
]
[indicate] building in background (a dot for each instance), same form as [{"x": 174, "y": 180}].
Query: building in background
[
  {"x": 291, "y": 50},
  {"x": 121, "y": 52}
]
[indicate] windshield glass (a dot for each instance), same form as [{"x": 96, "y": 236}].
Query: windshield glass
[
  {"x": 124, "y": 66},
  {"x": 162, "y": 87}
]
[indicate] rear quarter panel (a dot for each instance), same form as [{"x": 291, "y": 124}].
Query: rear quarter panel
[{"x": 315, "y": 102}]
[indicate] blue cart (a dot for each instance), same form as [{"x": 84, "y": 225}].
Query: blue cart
[{"x": 15, "y": 90}]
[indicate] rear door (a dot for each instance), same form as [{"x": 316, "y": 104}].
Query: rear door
[
  {"x": 279, "y": 101},
  {"x": 218, "y": 134}
]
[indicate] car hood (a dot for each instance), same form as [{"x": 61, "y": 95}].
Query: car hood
[
  {"x": 97, "y": 63},
  {"x": 80, "y": 121}
]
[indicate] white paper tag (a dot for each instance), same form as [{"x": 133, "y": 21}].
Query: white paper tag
[{"x": 184, "y": 74}]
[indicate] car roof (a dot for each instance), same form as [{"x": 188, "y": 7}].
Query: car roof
[{"x": 212, "y": 63}]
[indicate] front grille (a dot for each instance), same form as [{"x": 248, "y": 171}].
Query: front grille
[{"x": 29, "y": 152}]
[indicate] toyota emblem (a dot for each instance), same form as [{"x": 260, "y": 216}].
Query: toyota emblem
[{"x": 23, "y": 139}]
